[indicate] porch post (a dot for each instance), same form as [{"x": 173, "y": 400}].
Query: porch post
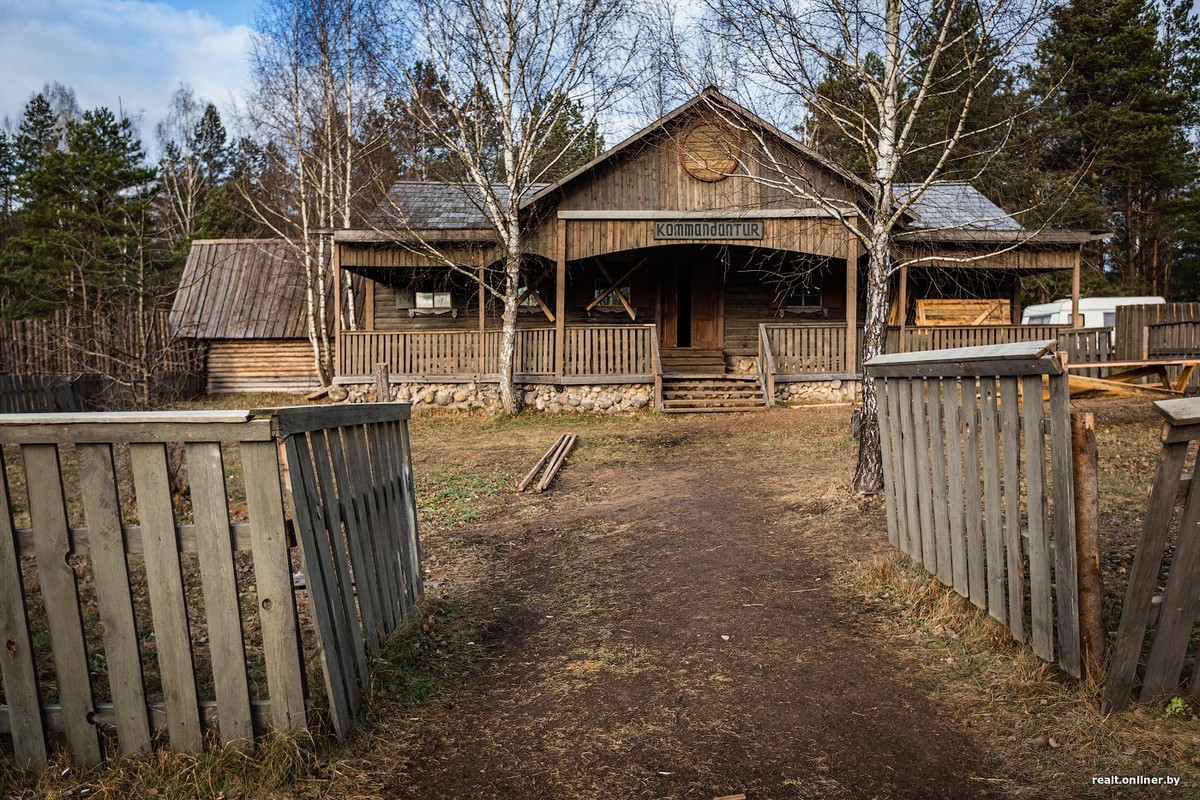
[
  {"x": 337, "y": 308},
  {"x": 482, "y": 314},
  {"x": 1075, "y": 290},
  {"x": 852, "y": 302},
  {"x": 902, "y": 303},
  {"x": 1014, "y": 317},
  {"x": 560, "y": 300}
]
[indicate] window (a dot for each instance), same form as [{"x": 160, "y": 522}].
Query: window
[
  {"x": 806, "y": 294},
  {"x": 527, "y": 297},
  {"x": 610, "y": 301},
  {"x": 417, "y": 301}
]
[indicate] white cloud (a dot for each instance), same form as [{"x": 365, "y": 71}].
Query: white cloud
[{"x": 118, "y": 52}]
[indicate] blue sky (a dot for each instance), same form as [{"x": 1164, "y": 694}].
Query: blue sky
[{"x": 131, "y": 53}]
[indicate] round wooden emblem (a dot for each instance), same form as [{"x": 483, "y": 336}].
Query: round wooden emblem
[{"x": 708, "y": 153}]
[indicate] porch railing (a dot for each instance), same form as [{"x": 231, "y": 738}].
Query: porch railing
[
  {"x": 943, "y": 337},
  {"x": 610, "y": 351},
  {"x": 805, "y": 349}
]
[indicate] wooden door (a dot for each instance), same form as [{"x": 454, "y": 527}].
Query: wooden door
[
  {"x": 668, "y": 324},
  {"x": 707, "y": 328}
]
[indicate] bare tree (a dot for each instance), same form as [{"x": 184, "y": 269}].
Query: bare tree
[
  {"x": 513, "y": 74},
  {"x": 903, "y": 59},
  {"x": 316, "y": 84}
]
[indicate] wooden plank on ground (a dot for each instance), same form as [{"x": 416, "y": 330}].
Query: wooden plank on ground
[
  {"x": 1066, "y": 575},
  {"x": 924, "y": 487},
  {"x": 206, "y": 474},
  {"x": 273, "y": 579},
  {"x": 1010, "y": 432},
  {"x": 122, "y": 655},
  {"x": 941, "y": 510},
  {"x": 1041, "y": 609},
  {"x": 168, "y": 603},
  {"x": 547, "y": 456},
  {"x": 17, "y": 668},
  {"x": 954, "y": 484},
  {"x": 993, "y": 531},
  {"x": 556, "y": 463},
  {"x": 48, "y": 515}
]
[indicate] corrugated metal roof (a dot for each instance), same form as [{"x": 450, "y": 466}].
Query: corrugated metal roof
[
  {"x": 955, "y": 205},
  {"x": 437, "y": 206},
  {"x": 241, "y": 289}
]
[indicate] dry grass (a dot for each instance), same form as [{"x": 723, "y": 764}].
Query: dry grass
[{"x": 1045, "y": 726}]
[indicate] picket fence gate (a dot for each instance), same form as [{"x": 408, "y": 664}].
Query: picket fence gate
[
  {"x": 978, "y": 486},
  {"x": 148, "y": 564}
]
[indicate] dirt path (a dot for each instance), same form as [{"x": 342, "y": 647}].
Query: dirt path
[{"x": 674, "y": 620}]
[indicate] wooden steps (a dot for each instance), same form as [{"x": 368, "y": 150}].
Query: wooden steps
[
  {"x": 692, "y": 361},
  {"x": 683, "y": 394}
]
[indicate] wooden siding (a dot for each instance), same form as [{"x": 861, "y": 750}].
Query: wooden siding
[
  {"x": 265, "y": 365},
  {"x": 749, "y": 303},
  {"x": 948, "y": 257},
  {"x": 359, "y": 255}
]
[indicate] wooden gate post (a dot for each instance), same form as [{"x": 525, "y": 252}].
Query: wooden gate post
[
  {"x": 383, "y": 393},
  {"x": 1084, "y": 461}
]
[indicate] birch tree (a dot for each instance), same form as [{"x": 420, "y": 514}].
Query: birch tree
[
  {"x": 316, "y": 83},
  {"x": 904, "y": 58},
  {"x": 520, "y": 84}
]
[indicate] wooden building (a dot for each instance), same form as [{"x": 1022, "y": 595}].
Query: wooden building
[
  {"x": 679, "y": 260},
  {"x": 246, "y": 299}
]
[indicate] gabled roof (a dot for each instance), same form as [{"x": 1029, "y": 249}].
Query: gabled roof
[
  {"x": 713, "y": 100},
  {"x": 434, "y": 206},
  {"x": 954, "y": 205},
  {"x": 241, "y": 289}
]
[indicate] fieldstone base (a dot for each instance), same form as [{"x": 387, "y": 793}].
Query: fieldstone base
[
  {"x": 603, "y": 399},
  {"x": 809, "y": 392}
]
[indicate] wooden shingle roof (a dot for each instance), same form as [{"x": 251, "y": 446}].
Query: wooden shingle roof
[{"x": 241, "y": 289}]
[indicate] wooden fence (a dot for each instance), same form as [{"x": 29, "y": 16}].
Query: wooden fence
[
  {"x": 137, "y": 356},
  {"x": 1169, "y": 605},
  {"x": 977, "y": 480},
  {"x": 805, "y": 349},
  {"x": 22, "y": 394},
  {"x": 1132, "y": 322},
  {"x": 146, "y": 572},
  {"x": 942, "y": 337}
]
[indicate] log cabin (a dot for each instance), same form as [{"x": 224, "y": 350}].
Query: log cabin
[
  {"x": 245, "y": 299},
  {"x": 680, "y": 269}
]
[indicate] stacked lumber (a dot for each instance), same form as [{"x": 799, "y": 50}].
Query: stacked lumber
[{"x": 549, "y": 464}]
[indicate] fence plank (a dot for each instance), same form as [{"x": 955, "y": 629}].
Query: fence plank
[
  {"x": 1040, "y": 607},
  {"x": 168, "y": 604},
  {"x": 924, "y": 487},
  {"x": 387, "y": 491},
  {"x": 390, "y": 443},
  {"x": 102, "y": 512},
  {"x": 410, "y": 511},
  {"x": 941, "y": 511},
  {"x": 1066, "y": 579},
  {"x": 361, "y": 554},
  {"x": 359, "y": 453},
  {"x": 899, "y": 538},
  {"x": 954, "y": 484},
  {"x": 16, "y": 657},
  {"x": 321, "y": 583},
  {"x": 214, "y": 545},
  {"x": 1010, "y": 430},
  {"x": 977, "y": 588},
  {"x": 48, "y": 515},
  {"x": 1181, "y": 598},
  {"x": 912, "y": 545},
  {"x": 332, "y": 510},
  {"x": 273, "y": 579},
  {"x": 992, "y": 513},
  {"x": 886, "y": 432}
]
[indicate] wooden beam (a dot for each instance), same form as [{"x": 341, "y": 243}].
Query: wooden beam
[
  {"x": 902, "y": 303},
  {"x": 369, "y": 317},
  {"x": 560, "y": 299},
  {"x": 614, "y": 286},
  {"x": 337, "y": 308},
  {"x": 1075, "y": 320},
  {"x": 482, "y": 278},
  {"x": 851, "y": 300}
]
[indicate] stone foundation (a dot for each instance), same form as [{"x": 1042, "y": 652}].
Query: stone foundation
[
  {"x": 808, "y": 392},
  {"x": 602, "y": 399}
]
